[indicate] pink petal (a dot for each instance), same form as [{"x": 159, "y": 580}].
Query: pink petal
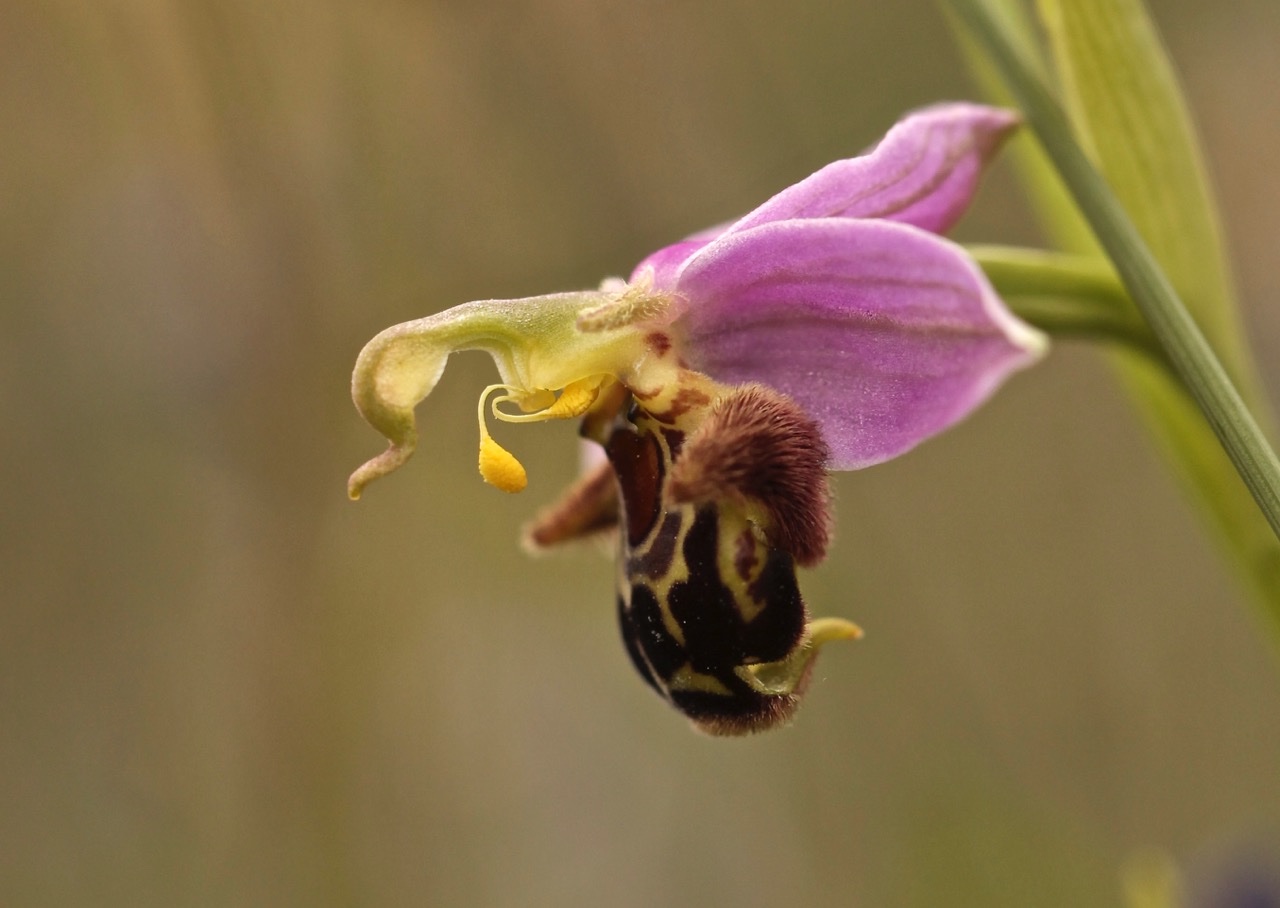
[
  {"x": 665, "y": 263},
  {"x": 884, "y": 333},
  {"x": 923, "y": 172}
]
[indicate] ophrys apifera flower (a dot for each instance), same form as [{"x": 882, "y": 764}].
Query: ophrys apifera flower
[{"x": 830, "y": 328}]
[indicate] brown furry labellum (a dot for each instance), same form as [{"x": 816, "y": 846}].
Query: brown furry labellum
[
  {"x": 716, "y": 500},
  {"x": 758, "y": 445}
]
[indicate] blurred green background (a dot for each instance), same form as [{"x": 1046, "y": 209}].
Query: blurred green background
[{"x": 222, "y": 683}]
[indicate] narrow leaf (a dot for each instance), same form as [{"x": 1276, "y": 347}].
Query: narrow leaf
[
  {"x": 1164, "y": 402},
  {"x": 1123, "y": 99}
]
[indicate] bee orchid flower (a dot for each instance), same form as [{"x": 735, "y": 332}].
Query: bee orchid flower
[{"x": 831, "y": 328}]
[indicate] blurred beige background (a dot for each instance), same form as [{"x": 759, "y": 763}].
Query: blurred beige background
[{"x": 221, "y": 683}]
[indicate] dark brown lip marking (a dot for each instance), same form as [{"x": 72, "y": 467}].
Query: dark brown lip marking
[
  {"x": 637, "y": 461},
  {"x": 696, "y": 596},
  {"x": 656, "y": 562},
  {"x": 778, "y": 627},
  {"x": 742, "y": 712},
  {"x": 717, "y": 637},
  {"x": 674, "y": 439},
  {"x": 630, "y": 639},
  {"x": 744, "y": 553},
  {"x": 661, "y": 649}
]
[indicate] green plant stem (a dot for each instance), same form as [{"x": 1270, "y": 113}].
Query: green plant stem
[
  {"x": 1173, "y": 328},
  {"x": 1066, "y": 295}
]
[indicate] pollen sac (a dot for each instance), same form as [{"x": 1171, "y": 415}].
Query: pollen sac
[
  {"x": 499, "y": 467},
  {"x": 717, "y": 506}
]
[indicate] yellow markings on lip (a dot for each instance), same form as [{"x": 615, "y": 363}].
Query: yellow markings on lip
[{"x": 686, "y": 678}]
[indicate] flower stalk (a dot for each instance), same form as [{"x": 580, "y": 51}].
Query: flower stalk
[{"x": 1066, "y": 295}]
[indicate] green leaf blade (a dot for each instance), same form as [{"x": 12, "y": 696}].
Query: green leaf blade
[
  {"x": 1125, "y": 104},
  {"x": 1212, "y": 441}
]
